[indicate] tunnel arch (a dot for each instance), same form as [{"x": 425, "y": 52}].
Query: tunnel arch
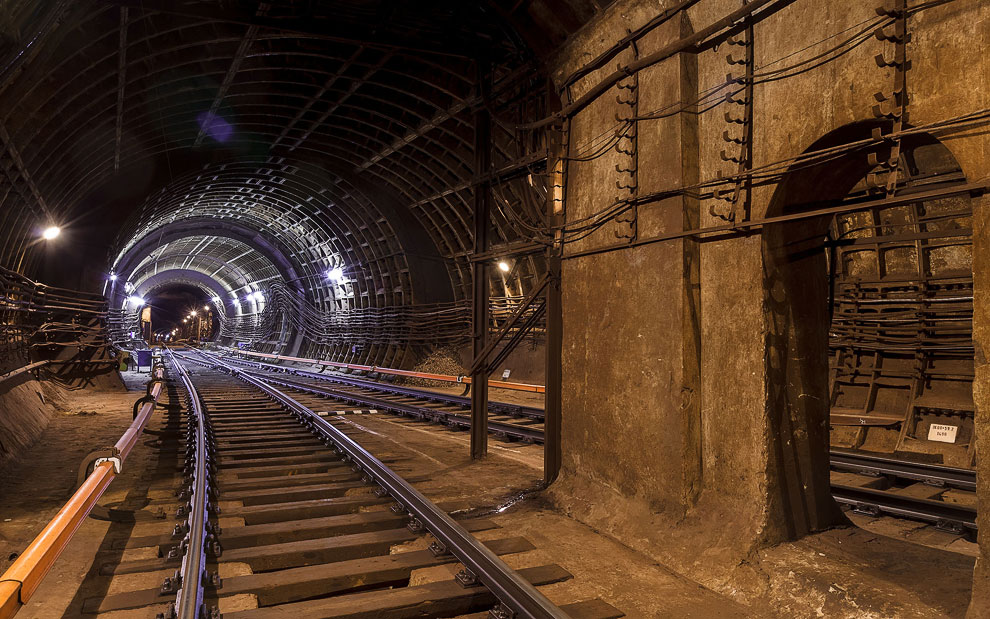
[
  {"x": 183, "y": 254},
  {"x": 130, "y": 258},
  {"x": 306, "y": 221},
  {"x": 799, "y": 302},
  {"x": 391, "y": 114}
]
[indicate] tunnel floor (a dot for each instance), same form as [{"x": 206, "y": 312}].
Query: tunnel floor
[{"x": 844, "y": 568}]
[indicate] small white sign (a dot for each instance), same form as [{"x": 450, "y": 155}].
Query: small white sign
[
  {"x": 505, "y": 374},
  {"x": 942, "y": 433}
]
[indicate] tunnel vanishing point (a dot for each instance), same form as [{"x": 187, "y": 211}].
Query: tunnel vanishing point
[{"x": 494, "y": 308}]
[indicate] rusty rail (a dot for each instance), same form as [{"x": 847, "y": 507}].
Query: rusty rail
[
  {"x": 26, "y": 368},
  {"x": 22, "y": 579},
  {"x": 447, "y": 378}
]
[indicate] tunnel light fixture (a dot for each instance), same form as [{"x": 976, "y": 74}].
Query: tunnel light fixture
[
  {"x": 51, "y": 232},
  {"x": 192, "y": 314},
  {"x": 336, "y": 275},
  {"x": 135, "y": 300},
  {"x": 113, "y": 277},
  {"x": 206, "y": 308},
  {"x": 503, "y": 266}
]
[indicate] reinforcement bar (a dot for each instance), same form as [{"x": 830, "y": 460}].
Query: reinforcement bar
[
  {"x": 481, "y": 563},
  {"x": 447, "y": 378},
  {"x": 27, "y": 368},
  {"x": 22, "y": 579}
]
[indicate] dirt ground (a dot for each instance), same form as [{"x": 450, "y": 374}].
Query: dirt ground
[
  {"x": 35, "y": 485},
  {"x": 846, "y": 572}
]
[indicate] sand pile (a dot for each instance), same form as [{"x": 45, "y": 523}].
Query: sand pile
[{"x": 444, "y": 360}]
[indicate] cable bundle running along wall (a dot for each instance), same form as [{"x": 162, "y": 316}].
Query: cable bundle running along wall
[{"x": 37, "y": 321}]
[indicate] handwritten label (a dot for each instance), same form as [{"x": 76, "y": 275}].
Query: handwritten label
[{"x": 942, "y": 433}]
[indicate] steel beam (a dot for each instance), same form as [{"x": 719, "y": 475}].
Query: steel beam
[
  {"x": 325, "y": 28},
  {"x": 235, "y": 64},
  {"x": 443, "y": 116},
  {"x": 355, "y": 85},
  {"x": 557, "y": 147},
  {"x": 7, "y": 143},
  {"x": 519, "y": 167},
  {"x": 481, "y": 288},
  {"x": 554, "y": 375},
  {"x": 317, "y": 96},
  {"x": 438, "y": 119},
  {"x": 121, "y": 84}
]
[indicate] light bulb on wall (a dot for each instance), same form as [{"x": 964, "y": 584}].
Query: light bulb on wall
[
  {"x": 503, "y": 266},
  {"x": 51, "y": 232}
]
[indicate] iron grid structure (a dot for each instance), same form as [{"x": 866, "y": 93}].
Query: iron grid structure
[
  {"x": 375, "y": 102},
  {"x": 320, "y": 135},
  {"x": 39, "y": 322},
  {"x": 901, "y": 334}
]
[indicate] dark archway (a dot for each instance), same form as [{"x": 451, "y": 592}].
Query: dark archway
[{"x": 800, "y": 295}]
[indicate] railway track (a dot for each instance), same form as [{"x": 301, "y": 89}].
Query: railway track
[
  {"x": 875, "y": 486},
  {"x": 508, "y": 421},
  {"x": 280, "y": 513},
  {"x": 867, "y": 484}
]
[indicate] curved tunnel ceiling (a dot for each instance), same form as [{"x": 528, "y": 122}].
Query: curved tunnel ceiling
[
  {"x": 329, "y": 134},
  {"x": 234, "y": 266},
  {"x": 314, "y": 221}
]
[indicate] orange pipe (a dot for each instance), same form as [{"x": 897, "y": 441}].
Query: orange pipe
[
  {"x": 22, "y": 579},
  {"x": 371, "y": 368},
  {"x": 9, "y": 601}
]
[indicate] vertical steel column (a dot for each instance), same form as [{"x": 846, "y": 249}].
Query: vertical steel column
[
  {"x": 556, "y": 161},
  {"x": 481, "y": 288},
  {"x": 552, "y": 405}
]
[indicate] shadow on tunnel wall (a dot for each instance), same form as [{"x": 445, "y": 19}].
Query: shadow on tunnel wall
[{"x": 798, "y": 298}]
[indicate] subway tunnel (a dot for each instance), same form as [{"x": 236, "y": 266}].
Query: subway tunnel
[
  {"x": 504, "y": 308},
  {"x": 345, "y": 144}
]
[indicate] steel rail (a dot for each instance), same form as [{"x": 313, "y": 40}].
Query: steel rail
[
  {"x": 447, "y": 378},
  {"x": 22, "y": 579},
  {"x": 189, "y": 600},
  {"x": 507, "y": 586},
  {"x": 27, "y": 368},
  {"x": 936, "y": 475},
  {"x": 945, "y": 515},
  {"x": 501, "y": 408},
  {"x": 422, "y": 412}
]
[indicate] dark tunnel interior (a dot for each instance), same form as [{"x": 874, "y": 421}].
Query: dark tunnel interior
[
  {"x": 319, "y": 154},
  {"x": 494, "y": 308}
]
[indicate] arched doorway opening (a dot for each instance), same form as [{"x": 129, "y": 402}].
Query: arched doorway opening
[{"x": 870, "y": 333}]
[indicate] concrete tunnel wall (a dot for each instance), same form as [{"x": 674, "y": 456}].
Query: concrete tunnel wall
[{"x": 667, "y": 384}]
